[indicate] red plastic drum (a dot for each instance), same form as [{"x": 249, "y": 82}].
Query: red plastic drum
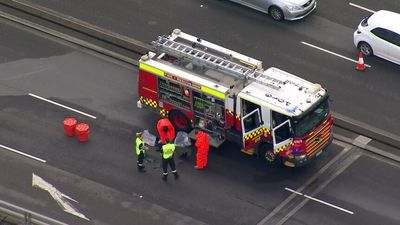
[
  {"x": 82, "y": 132},
  {"x": 69, "y": 126}
]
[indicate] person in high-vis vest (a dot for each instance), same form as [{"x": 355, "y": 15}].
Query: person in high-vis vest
[
  {"x": 140, "y": 151},
  {"x": 168, "y": 151}
]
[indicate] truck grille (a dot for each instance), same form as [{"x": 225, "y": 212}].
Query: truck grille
[{"x": 318, "y": 139}]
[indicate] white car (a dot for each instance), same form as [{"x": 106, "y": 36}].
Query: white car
[
  {"x": 281, "y": 9},
  {"x": 379, "y": 34}
]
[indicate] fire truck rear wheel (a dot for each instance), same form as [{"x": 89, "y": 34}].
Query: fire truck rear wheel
[{"x": 180, "y": 121}]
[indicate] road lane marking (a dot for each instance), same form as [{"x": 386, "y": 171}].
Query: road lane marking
[
  {"x": 57, "y": 195},
  {"x": 22, "y": 153},
  {"x": 293, "y": 191},
  {"x": 310, "y": 181},
  {"x": 332, "y": 53},
  {"x": 361, "y": 7},
  {"x": 63, "y": 106},
  {"x": 329, "y": 204},
  {"x": 320, "y": 201}
]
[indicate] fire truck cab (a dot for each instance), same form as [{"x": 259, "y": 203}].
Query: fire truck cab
[{"x": 203, "y": 86}]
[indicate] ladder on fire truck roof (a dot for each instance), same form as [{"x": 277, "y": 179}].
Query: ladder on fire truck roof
[{"x": 202, "y": 58}]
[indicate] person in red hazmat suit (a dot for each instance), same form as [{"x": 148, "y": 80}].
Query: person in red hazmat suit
[
  {"x": 202, "y": 150},
  {"x": 165, "y": 130}
]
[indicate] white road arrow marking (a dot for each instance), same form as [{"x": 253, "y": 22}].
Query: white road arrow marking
[{"x": 57, "y": 196}]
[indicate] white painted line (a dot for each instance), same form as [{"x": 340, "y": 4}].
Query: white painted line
[
  {"x": 329, "y": 204},
  {"x": 291, "y": 190},
  {"x": 320, "y": 201},
  {"x": 332, "y": 53},
  {"x": 22, "y": 153},
  {"x": 63, "y": 106},
  {"x": 361, "y": 7}
]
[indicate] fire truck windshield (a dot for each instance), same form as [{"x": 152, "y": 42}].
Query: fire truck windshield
[{"x": 312, "y": 119}]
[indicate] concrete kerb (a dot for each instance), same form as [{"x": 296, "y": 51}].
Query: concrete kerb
[
  {"x": 366, "y": 130},
  {"x": 78, "y": 25}
]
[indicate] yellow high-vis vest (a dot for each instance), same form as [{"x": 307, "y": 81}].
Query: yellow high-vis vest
[{"x": 168, "y": 150}]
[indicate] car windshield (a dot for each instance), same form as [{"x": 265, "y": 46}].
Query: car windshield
[{"x": 305, "y": 124}]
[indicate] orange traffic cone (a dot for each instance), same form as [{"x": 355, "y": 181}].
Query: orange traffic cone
[{"x": 360, "y": 65}]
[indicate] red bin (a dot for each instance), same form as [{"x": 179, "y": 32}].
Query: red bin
[
  {"x": 82, "y": 132},
  {"x": 69, "y": 126}
]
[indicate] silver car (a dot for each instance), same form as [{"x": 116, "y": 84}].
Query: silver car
[{"x": 281, "y": 9}]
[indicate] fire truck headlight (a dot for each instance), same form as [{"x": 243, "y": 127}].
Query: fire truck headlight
[{"x": 300, "y": 157}]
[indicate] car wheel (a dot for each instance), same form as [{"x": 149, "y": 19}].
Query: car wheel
[
  {"x": 365, "y": 48},
  {"x": 276, "y": 13},
  {"x": 180, "y": 121}
]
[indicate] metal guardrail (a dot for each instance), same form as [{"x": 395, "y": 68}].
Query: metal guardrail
[{"x": 18, "y": 215}]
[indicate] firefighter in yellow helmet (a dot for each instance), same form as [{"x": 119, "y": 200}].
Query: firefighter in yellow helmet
[
  {"x": 140, "y": 151},
  {"x": 168, "y": 150}
]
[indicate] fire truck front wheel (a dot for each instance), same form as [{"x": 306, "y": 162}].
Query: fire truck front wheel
[
  {"x": 266, "y": 153},
  {"x": 180, "y": 121}
]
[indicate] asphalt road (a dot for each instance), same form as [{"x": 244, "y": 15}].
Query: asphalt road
[
  {"x": 101, "y": 173},
  {"x": 371, "y": 97},
  {"x": 367, "y": 187}
]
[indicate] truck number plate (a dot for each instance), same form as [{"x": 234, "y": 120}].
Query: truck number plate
[{"x": 318, "y": 153}]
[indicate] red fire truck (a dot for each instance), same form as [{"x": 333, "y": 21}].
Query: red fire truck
[{"x": 203, "y": 86}]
